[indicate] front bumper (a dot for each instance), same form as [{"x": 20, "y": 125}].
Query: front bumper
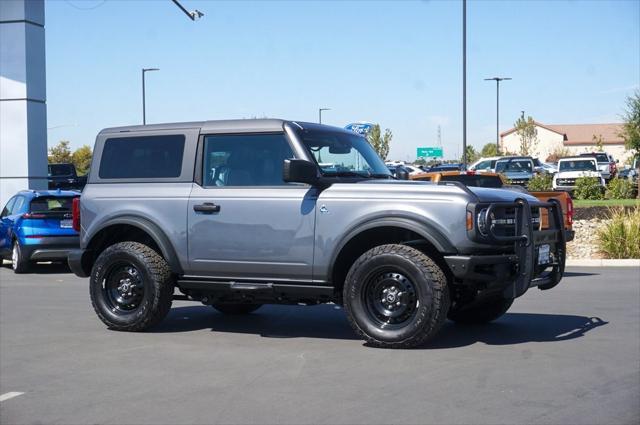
[{"x": 520, "y": 269}]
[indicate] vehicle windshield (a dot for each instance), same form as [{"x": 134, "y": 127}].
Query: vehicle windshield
[
  {"x": 577, "y": 165},
  {"x": 514, "y": 165},
  {"x": 477, "y": 180},
  {"x": 45, "y": 204},
  {"x": 343, "y": 154},
  {"x": 60, "y": 170},
  {"x": 600, "y": 157}
]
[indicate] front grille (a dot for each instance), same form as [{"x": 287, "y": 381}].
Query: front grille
[{"x": 504, "y": 220}]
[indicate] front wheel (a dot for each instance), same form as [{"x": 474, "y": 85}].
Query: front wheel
[
  {"x": 131, "y": 287},
  {"x": 396, "y": 297},
  {"x": 483, "y": 311}
]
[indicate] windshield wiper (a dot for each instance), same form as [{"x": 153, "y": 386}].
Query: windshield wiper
[{"x": 381, "y": 176}]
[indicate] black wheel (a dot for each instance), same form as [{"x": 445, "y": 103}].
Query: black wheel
[
  {"x": 19, "y": 263},
  {"x": 395, "y": 297},
  {"x": 236, "y": 308},
  {"x": 483, "y": 311},
  {"x": 131, "y": 287}
]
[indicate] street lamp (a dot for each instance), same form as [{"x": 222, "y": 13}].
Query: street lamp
[
  {"x": 464, "y": 84},
  {"x": 144, "y": 112},
  {"x": 497, "y": 80},
  {"x": 320, "y": 114}
]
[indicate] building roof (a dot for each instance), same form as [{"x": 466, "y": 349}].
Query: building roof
[{"x": 583, "y": 134}]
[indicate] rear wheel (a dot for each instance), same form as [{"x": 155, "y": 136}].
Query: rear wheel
[
  {"x": 396, "y": 297},
  {"x": 19, "y": 263},
  {"x": 236, "y": 308},
  {"x": 131, "y": 287},
  {"x": 482, "y": 311}
]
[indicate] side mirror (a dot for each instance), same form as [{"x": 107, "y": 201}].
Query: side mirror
[
  {"x": 402, "y": 173},
  {"x": 299, "y": 171}
]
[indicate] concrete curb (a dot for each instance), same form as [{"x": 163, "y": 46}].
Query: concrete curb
[{"x": 603, "y": 263}]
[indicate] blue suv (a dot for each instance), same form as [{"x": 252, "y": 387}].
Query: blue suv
[{"x": 37, "y": 226}]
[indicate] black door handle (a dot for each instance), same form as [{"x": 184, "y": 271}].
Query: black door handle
[{"x": 207, "y": 208}]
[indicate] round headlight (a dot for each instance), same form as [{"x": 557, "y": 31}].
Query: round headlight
[{"x": 482, "y": 221}]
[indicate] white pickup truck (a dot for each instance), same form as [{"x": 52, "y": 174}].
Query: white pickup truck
[{"x": 571, "y": 169}]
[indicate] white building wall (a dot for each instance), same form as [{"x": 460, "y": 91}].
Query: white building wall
[
  {"x": 548, "y": 141},
  {"x": 23, "y": 122}
]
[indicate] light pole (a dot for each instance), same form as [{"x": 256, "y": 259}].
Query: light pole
[
  {"x": 320, "y": 114},
  {"x": 497, "y": 80},
  {"x": 144, "y": 112},
  {"x": 464, "y": 84}
]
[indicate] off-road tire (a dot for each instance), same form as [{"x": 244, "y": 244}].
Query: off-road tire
[
  {"x": 480, "y": 312},
  {"x": 19, "y": 264},
  {"x": 236, "y": 309},
  {"x": 155, "y": 276},
  {"x": 431, "y": 296}
]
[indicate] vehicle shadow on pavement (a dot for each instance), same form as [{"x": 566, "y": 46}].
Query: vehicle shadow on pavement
[
  {"x": 326, "y": 321},
  {"x": 517, "y": 328},
  {"x": 579, "y": 274},
  {"x": 44, "y": 268}
]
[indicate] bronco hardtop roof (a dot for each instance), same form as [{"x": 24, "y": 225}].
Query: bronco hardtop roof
[{"x": 221, "y": 126}]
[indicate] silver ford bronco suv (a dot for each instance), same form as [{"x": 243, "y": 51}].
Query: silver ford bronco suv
[{"x": 236, "y": 214}]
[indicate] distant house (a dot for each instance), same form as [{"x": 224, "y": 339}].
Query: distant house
[{"x": 576, "y": 138}]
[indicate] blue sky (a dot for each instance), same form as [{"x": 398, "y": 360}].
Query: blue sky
[{"x": 397, "y": 63}]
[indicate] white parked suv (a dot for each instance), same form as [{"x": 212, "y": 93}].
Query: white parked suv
[{"x": 571, "y": 169}]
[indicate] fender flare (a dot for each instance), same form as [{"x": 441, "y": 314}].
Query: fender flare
[
  {"x": 153, "y": 230},
  {"x": 429, "y": 231}
]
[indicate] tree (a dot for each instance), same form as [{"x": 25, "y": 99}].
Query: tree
[
  {"x": 599, "y": 142},
  {"x": 60, "y": 152},
  {"x": 380, "y": 142},
  {"x": 528, "y": 133},
  {"x": 81, "y": 158},
  {"x": 631, "y": 127},
  {"x": 472, "y": 155},
  {"x": 490, "y": 149}
]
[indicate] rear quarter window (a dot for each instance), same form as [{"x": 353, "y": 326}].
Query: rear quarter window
[{"x": 142, "y": 157}]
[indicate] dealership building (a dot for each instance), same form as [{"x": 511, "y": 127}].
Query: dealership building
[{"x": 575, "y": 138}]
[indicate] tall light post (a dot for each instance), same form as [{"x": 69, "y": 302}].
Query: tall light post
[
  {"x": 320, "y": 114},
  {"x": 464, "y": 84},
  {"x": 144, "y": 112},
  {"x": 497, "y": 80}
]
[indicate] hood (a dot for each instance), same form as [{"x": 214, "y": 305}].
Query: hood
[
  {"x": 403, "y": 189},
  {"x": 576, "y": 174},
  {"x": 517, "y": 174},
  {"x": 486, "y": 194}
]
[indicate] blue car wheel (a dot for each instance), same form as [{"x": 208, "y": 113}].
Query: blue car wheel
[{"x": 18, "y": 262}]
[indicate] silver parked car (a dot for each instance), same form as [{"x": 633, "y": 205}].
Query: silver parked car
[{"x": 236, "y": 214}]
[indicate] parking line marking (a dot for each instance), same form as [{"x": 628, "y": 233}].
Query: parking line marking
[{"x": 7, "y": 396}]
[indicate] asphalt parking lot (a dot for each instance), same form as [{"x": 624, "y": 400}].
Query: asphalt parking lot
[{"x": 570, "y": 355}]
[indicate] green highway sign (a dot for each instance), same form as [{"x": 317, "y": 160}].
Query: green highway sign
[{"x": 429, "y": 152}]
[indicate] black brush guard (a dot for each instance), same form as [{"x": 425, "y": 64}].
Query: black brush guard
[
  {"x": 526, "y": 241},
  {"x": 519, "y": 270}
]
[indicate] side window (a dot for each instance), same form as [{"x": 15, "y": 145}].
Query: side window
[
  {"x": 7, "y": 209},
  {"x": 142, "y": 157},
  {"x": 18, "y": 206},
  {"x": 484, "y": 165},
  {"x": 245, "y": 160}
]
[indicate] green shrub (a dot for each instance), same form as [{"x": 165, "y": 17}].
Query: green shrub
[
  {"x": 621, "y": 237},
  {"x": 541, "y": 183},
  {"x": 588, "y": 188},
  {"x": 619, "y": 189}
]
